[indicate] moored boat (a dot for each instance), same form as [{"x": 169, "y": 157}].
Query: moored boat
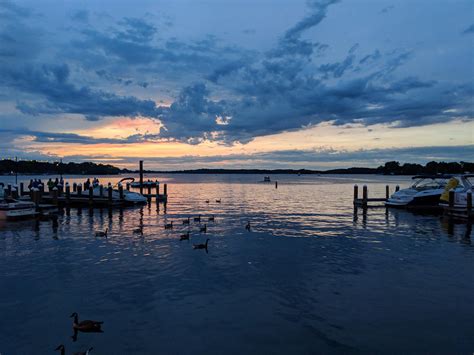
[{"x": 424, "y": 192}]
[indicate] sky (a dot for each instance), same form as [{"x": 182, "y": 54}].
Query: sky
[{"x": 186, "y": 84}]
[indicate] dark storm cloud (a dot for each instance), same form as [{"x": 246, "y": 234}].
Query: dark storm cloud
[{"x": 284, "y": 88}]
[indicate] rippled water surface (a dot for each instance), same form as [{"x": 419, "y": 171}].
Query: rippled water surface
[{"x": 313, "y": 275}]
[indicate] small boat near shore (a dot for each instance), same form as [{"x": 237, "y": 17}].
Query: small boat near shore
[{"x": 425, "y": 192}]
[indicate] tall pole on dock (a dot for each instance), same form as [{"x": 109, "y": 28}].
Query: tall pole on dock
[
  {"x": 16, "y": 170},
  {"x": 141, "y": 177}
]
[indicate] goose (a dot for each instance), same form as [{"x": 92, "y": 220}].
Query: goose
[
  {"x": 138, "y": 230},
  {"x": 207, "y": 201},
  {"x": 102, "y": 233},
  {"x": 184, "y": 236},
  {"x": 211, "y": 219},
  {"x": 90, "y": 326},
  {"x": 63, "y": 350},
  {"x": 186, "y": 221},
  {"x": 203, "y": 229},
  {"x": 218, "y": 201},
  {"x": 169, "y": 225},
  {"x": 197, "y": 219},
  {"x": 201, "y": 246},
  {"x": 247, "y": 227}
]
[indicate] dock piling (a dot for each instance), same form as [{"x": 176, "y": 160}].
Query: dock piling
[
  {"x": 469, "y": 202},
  {"x": 356, "y": 192},
  {"x": 141, "y": 177},
  {"x": 68, "y": 193},
  {"x": 79, "y": 189},
  {"x": 101, "y": 190},
  {"x": 451, "y": 198},
  {"x": 128, "y": 186},
  {"x": 165, "y": 190},
  {"x": 91, "y": 195},
  {"x": 54, "y": 195},
  {"x": 109, "y": 190},
  {"x": 365, "y": 195},
  {"x": 397, "y": 188},
  {"x": 74, "y": 187},
  {"x": 387, "y": 192},
  {"x": 120, "y": 188},
  {"x": 22, "y": 189}
]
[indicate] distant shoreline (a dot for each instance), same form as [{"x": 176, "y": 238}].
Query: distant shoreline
[{"x": 23, "y": 167}]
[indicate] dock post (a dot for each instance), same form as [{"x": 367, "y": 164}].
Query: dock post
[
  {"x": 397, "y": 188},
  {"x": 165, "y": 190},
  {"x": 79, "y": 189},
  {"x": 91, "y": 195},
  {"x": 54, "y": 195},
  {"x": 128, "y": 186},
  {"x": 22, "y": 189},
  {"x": 141, "y": 177},
  {"x": 109, "y": 190},
  {"x": 120, "y": 188},
  {"x": 149, "y": 191},
  {"x": 35, "y": 196},
  {"x": 68, "y": 193},
  {"x": 9, "y": 190},
  {"x": 157, "y": 191},
  {"x": 364, "y": 195},
  {"x": 387, "y": 192},
  {"x": 469, "y": 202},
  {"x": 74, "y": 187},
  {"x": 14, "y": 192},
  {"x": 101, "y": 190},
  {"x": 356, "y": 192},
  {"x": 451, "y": 198},
  {"x": 276, "y": 184}
]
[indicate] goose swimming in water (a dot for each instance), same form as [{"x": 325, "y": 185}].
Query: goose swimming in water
[
  {"x": 207, "y": 201},
  {"x": 138, "y": 230},
  {"x": 218, "y": 201},
  {"x": 203, "y": 229},
  {"x": 247, "y": 227},
  {"x": 102, "y": 233},
  {"x": 201, "y": 246},
  {"x": 197, "y": 219},
  {"x": 211, "y": 219},
  {"x": 186, "y": 221},
  {"x": 184, "y": 236},
  {"x": 63, "y": 350},
  {"x": 90, "y": 326},
  {"x": 169, "y": 225}
]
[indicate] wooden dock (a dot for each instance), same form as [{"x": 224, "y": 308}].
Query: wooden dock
[{"x": 366, "y": 202}]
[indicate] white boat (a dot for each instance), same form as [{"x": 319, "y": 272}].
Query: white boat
[
  {"x": 130, "y": 197},
  {"x": 148, "y": 183},
  {"x": 463, "y": 185},
  {"x": 425, "y": 191},
  {"x": 12, "y": 209}
]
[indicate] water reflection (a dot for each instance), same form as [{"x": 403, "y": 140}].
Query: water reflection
[{"x": 312, "y": 270}]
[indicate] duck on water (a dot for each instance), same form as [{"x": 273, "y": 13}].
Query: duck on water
[
  {"x": 86, "y": 326},
  {"x": 62, "y": 348}
]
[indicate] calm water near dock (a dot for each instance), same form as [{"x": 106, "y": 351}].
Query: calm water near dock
[{"x": 311, "y": 277}]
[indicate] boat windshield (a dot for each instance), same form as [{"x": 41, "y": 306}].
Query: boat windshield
[{"x": 430, "y": 183}]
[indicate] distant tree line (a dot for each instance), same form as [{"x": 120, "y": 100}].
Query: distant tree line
[
  {"x": 433, "y": 167},
  {"x": 8, "y": 166}
]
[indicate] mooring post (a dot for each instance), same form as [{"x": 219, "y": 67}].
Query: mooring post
[
  {"x": 165, "y": 190},
  {"x": 109, "y": 190},
  {"x": 397, "y": 188},
  {"x": 141, "y": 177},
  {"x": 22, "y": 189},
  {"x": 149, "y": 191},
  {"x": 79, "y": 189},
  {"x": 365, "y": 195},
  {"x": 276, "y": 184},
  {"x": 451, "y": 198},
  {"x": 35, "y": 196},
  {"x": 387, "y": 192},
  {"x": 14, "y": 192},
  {"x": 356, "y": 192},
  {"x": 74, "y": 187},
  {"x": 128, "y": 186},
  {"x": 101, "y": 190},
  {"x": 91, "y": 195},
  {"x": 54, "y": 195},
  {"x": 120, "y": 188},
  {"x": 9, "y": 190},
  {"x": 68, "y": 193},
  {"x": 157, "y": 191},
  {"x": 469, "y": 202}
]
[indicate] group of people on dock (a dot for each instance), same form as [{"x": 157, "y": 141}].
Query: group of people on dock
[{"x": 87, "y": 184}]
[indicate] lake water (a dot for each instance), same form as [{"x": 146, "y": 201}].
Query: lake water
[{"x": 312, "y": 276}]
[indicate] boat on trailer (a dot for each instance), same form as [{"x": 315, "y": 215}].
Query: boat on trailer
[{"x": 424, "y": 192}]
